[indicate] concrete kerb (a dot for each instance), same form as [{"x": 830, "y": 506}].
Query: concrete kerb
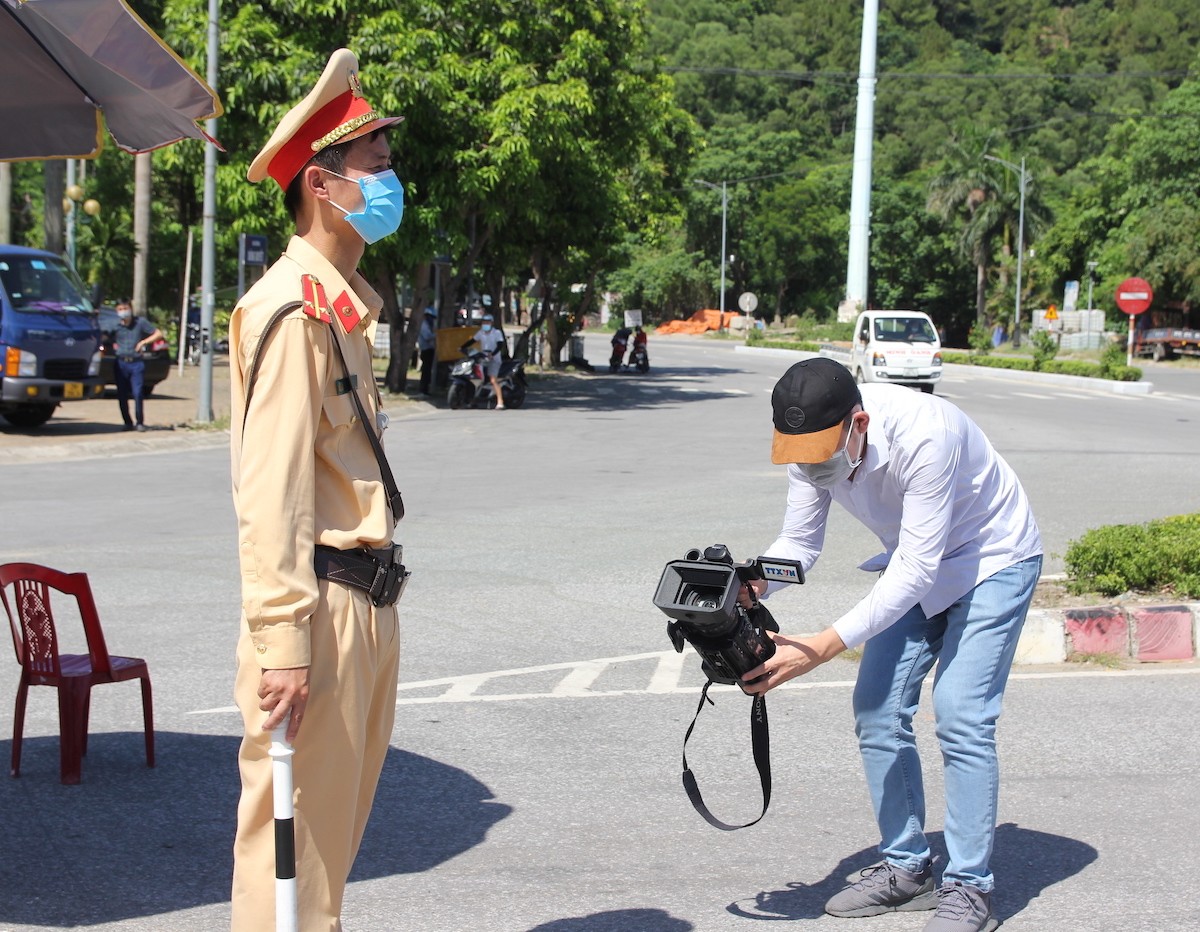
[{"x": 1143, "y": 633}]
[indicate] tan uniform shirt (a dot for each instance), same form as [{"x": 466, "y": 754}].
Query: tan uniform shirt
[{"x": 303, "y": 469}]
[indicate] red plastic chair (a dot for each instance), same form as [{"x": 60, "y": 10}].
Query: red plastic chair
[{"x": 73, "y": 675}]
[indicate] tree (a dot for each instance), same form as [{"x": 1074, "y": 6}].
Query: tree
[
  {"x": 535, "y": 136},
  {"x": 963, "y": 190}
]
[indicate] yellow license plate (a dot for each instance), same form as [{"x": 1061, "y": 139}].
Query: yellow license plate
[{"x": 73, "y": 390}]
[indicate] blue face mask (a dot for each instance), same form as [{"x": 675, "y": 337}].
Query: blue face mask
[
  {"x": 383, "y": 205},
  {"x": 487, "y": 327}
]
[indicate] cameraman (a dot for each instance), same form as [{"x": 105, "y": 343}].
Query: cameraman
[{"x": 963, "y": 557}]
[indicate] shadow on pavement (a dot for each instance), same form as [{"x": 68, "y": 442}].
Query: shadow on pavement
[
  {"x": 619, "y": 920},
  {"x": 133, "y": 842},
  {"x": 1025, "y": 863},
  {"x": 663, "y": 387}
]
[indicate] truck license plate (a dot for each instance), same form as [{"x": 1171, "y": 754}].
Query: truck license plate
[
  {"x": 910, "y": 373},
  {"x": 73, "y": 390}
]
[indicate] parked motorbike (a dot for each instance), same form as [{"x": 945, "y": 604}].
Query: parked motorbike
[
  {"x": 470, "y": 386},
  {"x": 192, "y": 349},
  {"x": 619, "y": 341},
  {"x": 638, "y": 358}
]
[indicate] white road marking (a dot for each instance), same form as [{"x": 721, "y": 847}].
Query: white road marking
[{"x": 579, "y": 677}]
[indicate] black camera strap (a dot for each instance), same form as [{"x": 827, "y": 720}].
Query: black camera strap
[{"x": 760, "y": 740}]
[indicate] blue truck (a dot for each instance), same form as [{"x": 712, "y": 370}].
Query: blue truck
[{"x": 49, "y": 337}]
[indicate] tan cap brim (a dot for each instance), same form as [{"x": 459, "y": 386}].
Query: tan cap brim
[{"x": 815, "y": 447}]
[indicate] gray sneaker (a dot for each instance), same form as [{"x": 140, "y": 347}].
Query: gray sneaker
[
  {"x": 884, "y": 888},
  {"x": 962, "y": 908}
]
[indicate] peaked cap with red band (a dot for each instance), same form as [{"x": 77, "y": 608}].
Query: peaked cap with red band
[{"x": 334, "y": 112}]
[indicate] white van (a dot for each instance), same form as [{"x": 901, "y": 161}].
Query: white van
[{"x": 896, "y": 346}]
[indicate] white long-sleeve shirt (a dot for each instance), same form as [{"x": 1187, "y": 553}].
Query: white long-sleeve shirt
[{"x": 949, "y": 511}]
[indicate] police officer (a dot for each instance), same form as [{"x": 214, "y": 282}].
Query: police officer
[{"x": 312, "y": 501}]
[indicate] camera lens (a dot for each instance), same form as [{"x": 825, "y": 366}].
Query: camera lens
[{"x": 706, "y": 598}]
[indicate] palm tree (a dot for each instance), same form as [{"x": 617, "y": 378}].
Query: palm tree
[{"x": 965, "y": 190}]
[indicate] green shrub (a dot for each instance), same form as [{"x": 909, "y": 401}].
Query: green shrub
[
  {"x": 805, "y": 345},
  {"x": 1111, "y": 358},
  {"x": 1045, "y": 348},
  {"x": 980, "y": 339},
  {"x": 1071, "y": 367},
  {"x": 1079, "y": 367},
  {"x": 1161, "y": 554},
  {"x": 992, "y": 362}
]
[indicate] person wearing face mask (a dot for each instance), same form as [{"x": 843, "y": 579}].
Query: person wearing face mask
[
  {"x": 131, "y": 335},
  {"x": 491, "y": 341},
  {"x": 318, "y": 649},
  {"x": 962, "y": 557}
]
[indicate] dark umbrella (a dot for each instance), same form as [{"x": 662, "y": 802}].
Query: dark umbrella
[{"x": 64, "y": 63}]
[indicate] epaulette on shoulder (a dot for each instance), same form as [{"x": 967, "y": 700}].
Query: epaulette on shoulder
[{"x": 315, "y": 304}]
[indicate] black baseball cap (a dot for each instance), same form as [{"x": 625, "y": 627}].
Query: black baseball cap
[{"x": 809, "y": 405}]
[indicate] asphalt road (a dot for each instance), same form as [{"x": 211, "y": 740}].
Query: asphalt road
[{"x": 533, "y": 784}]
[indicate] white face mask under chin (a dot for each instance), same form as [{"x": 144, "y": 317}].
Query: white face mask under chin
[{"x": 834, "y": 470}]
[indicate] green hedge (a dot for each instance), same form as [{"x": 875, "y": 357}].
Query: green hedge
[
  {"x": 804, "y": 345},
  {"x": 1091, "y": 370},
  {"x": 1158, "y": 555}
]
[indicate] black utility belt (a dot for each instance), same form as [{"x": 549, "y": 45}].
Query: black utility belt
[{"x": 378, "y": 573}]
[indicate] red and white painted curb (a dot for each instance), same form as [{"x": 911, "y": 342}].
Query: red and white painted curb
[{"x": 1141, "y": 633}]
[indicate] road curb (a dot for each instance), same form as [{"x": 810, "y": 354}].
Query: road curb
[{"x": 1140, "y": 633}]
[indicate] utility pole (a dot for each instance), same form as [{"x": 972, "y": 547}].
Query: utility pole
[
  {"x": 724, "y": 216},
  {"x": 208, "y": 252},
  {"x": 860, "y": 190}
]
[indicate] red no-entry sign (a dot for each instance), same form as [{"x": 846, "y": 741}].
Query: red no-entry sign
[{"x": 1134, "y": 295}]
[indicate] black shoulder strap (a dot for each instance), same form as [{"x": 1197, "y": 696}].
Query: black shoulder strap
[
  {"x": 395, "y": 500},
  {"x": 760, "y": 740},
  {"x": 252, "y": 373}
]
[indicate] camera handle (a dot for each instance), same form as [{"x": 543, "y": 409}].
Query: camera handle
[{"x": 761, "y": 744}]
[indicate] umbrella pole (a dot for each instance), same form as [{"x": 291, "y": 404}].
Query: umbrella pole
[{"x": 286, "y": 909}]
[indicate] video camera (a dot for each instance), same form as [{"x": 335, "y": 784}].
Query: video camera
[{"x": 700, "y": 594}]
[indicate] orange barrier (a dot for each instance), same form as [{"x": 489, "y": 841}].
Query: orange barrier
[{"x": 700, "y": 322}]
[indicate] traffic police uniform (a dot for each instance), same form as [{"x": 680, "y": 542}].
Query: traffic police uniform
[{"x": 304, "y": 476}]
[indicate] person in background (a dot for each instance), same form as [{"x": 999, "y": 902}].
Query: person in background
[
  {"x": 131, "y": 335},
  {"x": 491, "y": 341},
  {"x": 427, "y": 344}
]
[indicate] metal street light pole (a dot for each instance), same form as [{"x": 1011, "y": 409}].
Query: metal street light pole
[
  {"x": 1016, "y": 341},
  {"x": 208, "y": 251},
  {"x": 724, "y": 215}
]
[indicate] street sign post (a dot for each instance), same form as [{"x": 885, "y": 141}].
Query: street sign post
[
  {"x": 747, "y": 301},
  {"x": 1133, "y": 297}
]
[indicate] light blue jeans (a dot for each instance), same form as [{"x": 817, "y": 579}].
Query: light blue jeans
[{"x": 973, "y": 643}]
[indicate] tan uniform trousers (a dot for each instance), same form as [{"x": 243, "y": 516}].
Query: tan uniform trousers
[{"x": 340, "y": 751}]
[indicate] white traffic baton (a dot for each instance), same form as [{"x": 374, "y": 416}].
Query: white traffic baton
[{"x": 286, "y": 909}]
